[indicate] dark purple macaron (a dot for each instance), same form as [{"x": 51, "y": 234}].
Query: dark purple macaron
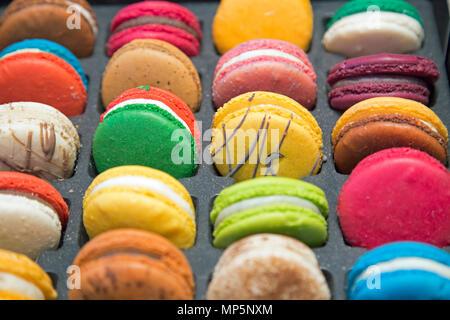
[{"x": 381, "y": 75}]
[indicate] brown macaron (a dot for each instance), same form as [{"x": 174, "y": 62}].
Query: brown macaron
[
  {"x": 155, "y": 63},
  {"x": 70, "y": 23},
  {"x": 132, "y": 264},
  {"x": 387, "y": 122},
  {"x": 268, "y": 267}
]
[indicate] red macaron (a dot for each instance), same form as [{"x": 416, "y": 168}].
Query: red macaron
[
  {"x": 28, "y": 184},
  {"x": 159, "y": 20},
  {"x": 398, "y": 194}
]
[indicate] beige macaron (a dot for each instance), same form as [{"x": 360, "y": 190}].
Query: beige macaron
[
  {"x": 155, "y": 63},
  {"x": 36, "y": 138},
  {"x": 268, "y": 267}
]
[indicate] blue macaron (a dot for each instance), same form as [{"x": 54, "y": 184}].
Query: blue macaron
[
  {"x": 401, "y": 271},
  {"x": 51, "y": 47}
]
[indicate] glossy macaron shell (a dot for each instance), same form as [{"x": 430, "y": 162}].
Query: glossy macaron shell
[
  {"x": 144, "y": 265},
  {"x": 362, "y": 78},
  {"x": 142, "y": 198},
  {"x": 396, "y": 195},
  {"x": 170, "y": 100},
  {"x": 27, "y": 184},
  {"x": 160, "y": 20},
  {"x": 265, "y": 65},
  {"x": 24, "y": 268},
  {"x": 42, "y": 77},
  {"x": 407, "y": 270}
]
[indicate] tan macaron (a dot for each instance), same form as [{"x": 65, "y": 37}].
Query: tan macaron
[{"x": 155, "y": 63}]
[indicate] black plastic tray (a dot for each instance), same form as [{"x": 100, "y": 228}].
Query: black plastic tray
[{"x": 336, "y": 257}]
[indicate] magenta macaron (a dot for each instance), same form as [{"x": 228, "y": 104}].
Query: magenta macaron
[
  {"x": 265, "y": 65},
  {"x": 398, "y": 194},
  {"x": 381, "y": 75},
  {"x": 159, "y": 20}
]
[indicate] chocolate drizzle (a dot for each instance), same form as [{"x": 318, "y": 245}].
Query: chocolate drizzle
[
  {"x": 250, "y": 150},
  {"x": 225, "y": 144},
  {"x": 261, "y": 148},
  {"x": 48, "y": 140},
  {"x": 228, "y": 151}
]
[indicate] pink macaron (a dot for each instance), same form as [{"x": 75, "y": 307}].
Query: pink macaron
[
  {"x": 398, "y": 194},
  {"x": 265, "y": 65},
  {"x": 159, "y": 20}
]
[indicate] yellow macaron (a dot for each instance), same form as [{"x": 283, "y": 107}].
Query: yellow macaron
[
  {"x": 237, "y": 21},
  {"x": 23, "y": 279},
  {"x": 141, "y": 198},
  {"x": 265, "y": 134}
]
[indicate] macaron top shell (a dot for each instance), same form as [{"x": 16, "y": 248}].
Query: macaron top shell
[
  {"x": 390, "y": 105},
  {"x": 172, "y": 70},
  {"x": 387, "y": 64},
  {"x": 359, "y": 6},
  {"x": 27, "y": 184},
  {"x": 47, "y": 46},
  {"x": 398, "y": 194},
  {"x": 157, "y": 9},
  {"x": 23, "y": 267}
]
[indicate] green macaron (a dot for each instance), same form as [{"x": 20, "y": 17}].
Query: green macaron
[
  {"x": 270, "y": 205},
  {"x": 359, "y": 6},
  {"x": 144, "y": 134}
]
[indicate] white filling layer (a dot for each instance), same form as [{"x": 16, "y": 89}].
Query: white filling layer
[
  {"x": 12, "y": 283},
  {"x": 29, "y": 50},
  {"x": 374, "y": 32},
  {"x": 260, "y": 53},
  {"x": 261, "y": 201},
  {"x": 147, "y": 183},
  {"x": 86, "y": 14},
  {"x": 429, "y": 125},
  {"x": 149, "y": 101},
  {"x": 28, "y": 225},
  {"x": 407, "y": 263}
]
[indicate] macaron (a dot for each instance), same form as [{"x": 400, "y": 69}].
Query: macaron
[
  {"x": 265, "y": 134},
  {"x": 381, "y": 75},
  {"x": 265, "y": 65},
  {"x": 128, "y": 264},
  {"x": 364, "y": 27},
  {"x": 152, "y": 62},
  {"x": 37, "y": 139},
  {"x": 237, "y": 21},
  {"x": 141, "y": 198},
  {"x": 43, "y": 71},
  {"x": 23, "y": 279},
  {"x": 386, "y": 122},
  {"x": 401, "y": 271},
  {"x": 32, "y": 214},
  {"x": 159, "y": 20},
  {"x": 268, "y": 267},
  {"x": 398, "y": 194},
  {"x": 270, "y": 205},
  {"x": 70, "y": 23},
  {"x": 122, "y": 137}
]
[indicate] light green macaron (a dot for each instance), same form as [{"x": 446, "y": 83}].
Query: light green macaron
[{"x": 270, "y": 205}]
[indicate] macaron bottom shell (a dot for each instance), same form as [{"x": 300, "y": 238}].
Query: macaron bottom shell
[
  {"x": 144, "y": 136},
  {"x": 300, "y": 223}
]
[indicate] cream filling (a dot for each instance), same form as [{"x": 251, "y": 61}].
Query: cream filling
[
  {"x": 429, "y": 125},
  {"x": 261, "y": 53},
  {"x": 160, "y": 104},
  {"x": 146, "y": 183},
  {"x": 262, "y": 201},
  {"x": 12, "y": 283},
  {"x": 407, "y": 263},
  {"x": 86, "y": 14},
  {"x": 29, "y": 50}
]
